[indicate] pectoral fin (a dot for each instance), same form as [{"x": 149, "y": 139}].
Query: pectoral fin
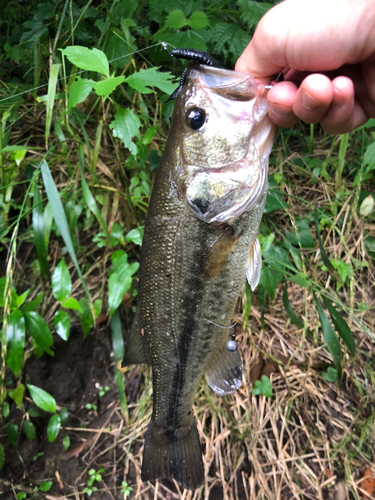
[
  {"x": 254, "y": 264},
  {"x": 218, "y": 254},
  {"x": 224, "y": 371},
  {"x": 134, "y": 352}
]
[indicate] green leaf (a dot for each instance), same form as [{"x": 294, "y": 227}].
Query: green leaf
[
  {"x": 72, "y": 303},
  {"x": 367, "y": 206},
  {"x": 39, "y": 330},
  {"x": 29, "y": 429},
  {"x": 21, "y": 495},
  {"x": 301, "y": 279},
  {"x": 79, "y": 90},
  {"x": 42, "y": 399},
  {"x": 62, "y": 324},
  {"x": 228, "y": 38},
  {"x": 190, "y": 39},
  {"x": 60, "y": 219},
  {"x": 2, "y": 456},
  {"x": 341, "y": 326},
  {"x": 61, "y": 282},
  {"x": 117, "y": 287},
  {"x": 263, "y": 387},
  {"x": 21, "y": 299},
  {"x": 17, "y": 395},
  {"x": 176, "y": 20},
  {"x": 85, "y": 315},
  {"x": 84, "y": 58},
  {"x": 118, "y": 351},
  {"x": 198, "y": 20},
  {"x": 143, "y": 80},
  {"x": 149, "y": 135},
  {"x": 52, "y": 82},
  {"x": 6, "y": 409},
  {"x": 303, "y": 238},
  {"x": 46, "y": 485},
  {"x": 330, "y": 338},
  {"x": 34, "y": 412},
  {"x": 344, "y": 270},
  {"x": 36, "y": 32},
  {"x": 66, "y": 442},
  {"x": 331, "y": 375},
  {"x": 369, "y": 157},
  {"x": 44, "y": 11},
  {"x": 33, "y": 304},
  {"x": 12, "y": 431},
  {"x": 252, "y": 12},
  {"x": 296, "y": 320},
  {"x": 53, "y": 428},
  {"x": 135, "y": 236},
  {"x": 15, "y": 338},
  {"x": 125, "y": 126},
  {"x": 63, "y": 415},
  {"x": 106, "y": 87},
  {"x": 273, "y": 269}
]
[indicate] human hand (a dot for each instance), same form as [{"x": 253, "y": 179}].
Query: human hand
[{"x": 326, "y": 50}]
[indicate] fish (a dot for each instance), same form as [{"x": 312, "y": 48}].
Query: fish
[{"x": 200, "y": 244}]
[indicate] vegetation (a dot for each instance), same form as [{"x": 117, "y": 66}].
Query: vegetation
[{"x": 83, "y": 126}]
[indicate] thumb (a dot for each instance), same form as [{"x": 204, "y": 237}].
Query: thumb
[{"x": 263, "y": 58}]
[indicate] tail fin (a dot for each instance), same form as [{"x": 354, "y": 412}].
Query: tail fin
[{"x": 173, "y": 453}]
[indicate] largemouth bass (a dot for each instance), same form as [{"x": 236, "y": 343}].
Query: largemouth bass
[{"x": 200, "y": 243}]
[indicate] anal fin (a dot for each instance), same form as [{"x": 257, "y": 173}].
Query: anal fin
[
  {"x": 254, "y": 264},
  {"x": 134, "y": 351},
  {"x": 218, "y": 254},
  {"x": 224, "y": 371}
]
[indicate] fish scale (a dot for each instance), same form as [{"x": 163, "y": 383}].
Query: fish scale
[{"x": 200, "y": 238}]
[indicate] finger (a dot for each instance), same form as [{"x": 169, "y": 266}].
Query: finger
[
  {"x": 344, "y": 114},
  {"x": 280, "y": 101},
  {"x": 313, "y": 98}
]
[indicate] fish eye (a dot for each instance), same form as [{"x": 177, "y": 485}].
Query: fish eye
[{"x": 196, "y": 118}]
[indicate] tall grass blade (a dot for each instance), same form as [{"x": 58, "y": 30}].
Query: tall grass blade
[
  {"x": 54, "y": 73},
  {"x": 323, "y": 253},
  {"x": 88, "y": 197},
  {"x": 61, "y": 222},
  {"x": 341, "y": 326},
  {"x": 330, "y": 338},
  {"x": 294, "y": 318},
  {"x": 118, "y": 350},
  {"x": 39, "y": 235},
  {"x": 344, "y": 141}
]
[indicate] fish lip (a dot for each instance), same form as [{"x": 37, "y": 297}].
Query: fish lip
[{"x": 233, "y": 84}]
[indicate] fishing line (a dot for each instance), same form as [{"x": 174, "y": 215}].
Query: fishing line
[
  {"x": 219, "y": 326},
  {"x": 84, "y": 70}
]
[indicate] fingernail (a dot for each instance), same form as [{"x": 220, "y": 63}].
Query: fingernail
[
  {"x": 279, "y": 111},
  {"x": 309, "y": 102}
]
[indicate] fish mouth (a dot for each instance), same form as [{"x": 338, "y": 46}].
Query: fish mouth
[{"x": 230, "y": 84}]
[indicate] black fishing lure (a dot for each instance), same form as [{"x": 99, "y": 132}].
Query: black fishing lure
[{"x": 195, "y": 55}]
